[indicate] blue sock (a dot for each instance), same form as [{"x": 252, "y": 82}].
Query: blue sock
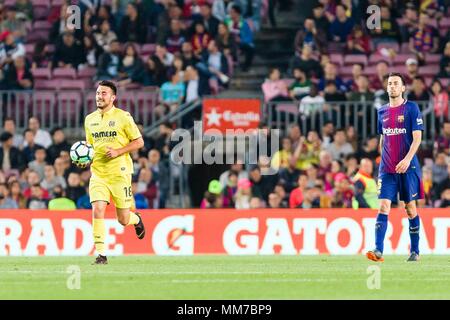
[
  {"x": 380, "y": 231},
  {"x": 414, "y": 227}
]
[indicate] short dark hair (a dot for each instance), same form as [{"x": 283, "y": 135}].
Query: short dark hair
[
  {"x": 8, "y": 119},
  {"x": 5, "y": 136},
  {"x": 109, "y": 84},
  {"x": 397, "y": 74},
  {"x": 236, "y": 8},
  {"x": 55, "y": 129},
  {"x": 419, "y": 78}
]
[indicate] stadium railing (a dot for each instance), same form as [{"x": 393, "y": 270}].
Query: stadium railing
[{"x": 67, "y": 108}]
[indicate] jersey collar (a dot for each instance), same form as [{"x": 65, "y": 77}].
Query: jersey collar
[{"x": 108, "y": 112}]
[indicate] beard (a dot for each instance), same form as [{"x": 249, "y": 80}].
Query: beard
[{"x": 101, "y": 104}]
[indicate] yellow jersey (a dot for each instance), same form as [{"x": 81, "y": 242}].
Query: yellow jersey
[{"x": 115, "y": 128}]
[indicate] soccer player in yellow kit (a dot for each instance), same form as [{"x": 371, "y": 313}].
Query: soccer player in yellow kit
[{"x": 113, "y": 134}]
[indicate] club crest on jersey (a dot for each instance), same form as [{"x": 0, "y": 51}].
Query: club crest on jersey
[
  {"x": 112, "y": 123},
  {"x": 401, "y": 118}
]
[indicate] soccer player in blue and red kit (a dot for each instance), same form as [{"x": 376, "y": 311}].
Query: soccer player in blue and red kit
[{"x": 400, "y": 124}]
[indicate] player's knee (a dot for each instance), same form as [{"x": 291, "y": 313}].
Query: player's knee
[
  {"x": 385, "y": 207},
  {"x": 411, "y": 209},
  {"x": 123, "y": 220},
  {"x": 98, "y": 212}
]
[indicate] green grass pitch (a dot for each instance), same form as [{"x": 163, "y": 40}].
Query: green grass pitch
[{"x": 224, "y": 277}]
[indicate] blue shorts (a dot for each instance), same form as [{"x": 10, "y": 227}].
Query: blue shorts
[{"x": 408, "y": 185}]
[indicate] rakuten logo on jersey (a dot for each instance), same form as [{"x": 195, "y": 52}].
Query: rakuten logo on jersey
[{"x": 393, "y": 131}]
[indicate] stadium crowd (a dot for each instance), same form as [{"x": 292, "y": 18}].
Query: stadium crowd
[{"x": 188, "y": 49}]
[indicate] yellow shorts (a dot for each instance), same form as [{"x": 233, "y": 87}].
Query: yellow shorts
[{"x": 118, "y": 188}]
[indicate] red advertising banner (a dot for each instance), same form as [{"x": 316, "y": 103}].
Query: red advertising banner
[
  {"x": 231, "y": 114},
  {"x": 227, "y": 231}
]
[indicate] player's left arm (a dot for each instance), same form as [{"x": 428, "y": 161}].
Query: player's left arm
[{"x": 403, "y": 165}]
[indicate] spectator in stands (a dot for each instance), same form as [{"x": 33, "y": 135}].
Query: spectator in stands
[
  {"x": 59, "y": 144},
  {"x": 15, "y": 23},
  {"x": 311, "y": 103},
  {"x": 41, "y": 56},
  {"x": 419, "y": 92},
  {"x": 41, "y": 137},
  {"x": 365, "y": 195},
  {"x": 196, "y": 86},
  {"x": 308, "y": 150},
  {"x": 362, "y": 92},
  {"x": 154, "y": 72},
  {"x": 50, "y": 180},
  {"x": 442, "y": 143},
  {"x": 139, "y": 199},
  {"x": 221, "y": 9},
  {"x": 274, "y": 88},
  {"x": 340, "y": 147},
  {"x": 311, "y": 36},
  {"x": 18, "y": 76},
  {"x": 84, "y": 202},
  {"x": 200, "y": 39},
  {"x": 33, "y": 179},
  {"x": 187, "y": 55},
  {"x": 16, "y": 194},
  {"x": 445, "y": 62},
  {"x": 331, "y": 74},
  {"x": 342, "y": 25},
  {"x": 148, "y": 187},
  {"x": 171, "y": 95},
  {"x": 161, "y": 174},
  {"x": 9, "y": 125},
  {"x": 352, "y": 136},
  {"x": 274, "y": 201},
  {"x": 424, "y": 39},
  {"x": 214, "y": 64},
  {"x": 440, "y": 188},
  {"x": 389, "y": 31},
  {"x": 130, "y": 67},
  {"x": 382, "y": 69},
  {"x": 305, "y": 61},
  {"x": 213, "y": 197},
  {"x": 226, "y": 42},
  {"x": 439, "y": 168},
  {"x": 29, "y": 146},
  {"x": 61, "y": 168},
  {"x": 327, "y": 132},
  {"x": 243, "y": 194},
  {"x": 229, "y": 190},
  {"x": 25, "y": 9},
  {"x": 37, "y": 199},
  {"x": 289, "y": 175},
  {"x": 108, "y": 63},
  {"x": 343, "y": 193},
  {"x": 9, "y": 48},
  {"x": 10, "y": 156},
  {"x": 74, "y": 189},
  {"x": 320, "y": 20},
  {"x": 59, "y": 25},
  {"x": 296, "y": 195},
  {"x": 331, "y": 92},
  {"x": 439, "y": 100},
  {"x": 6, "y": 202},
  {"x": 165, "y": 57},
  {"x": 243, "y": 35},
  {"x": 412, "y": 70},
  {"x": 237, "y": 167},
  {"x": 280, "y": 159},
  {"x": 69, "y": 53},
  {"x": 105, "y": 36},
  {"x": 192, "y": 9},
  {"x": 410, "y": 21},
  {"x": 176, "y": 37},
  {"x": 60, "y": 202},
  {"x": 92, "y": 51},
  {"x": 206, "y": 17},
  {"x": 38, "y": 164},
  {"x": 369, "y": 149},
  {"x": 358, "y": 42},
  {"x": 133, "y": 27},
  {"x": 262, "y": 186},
  {"x": 301, "y": 85}
]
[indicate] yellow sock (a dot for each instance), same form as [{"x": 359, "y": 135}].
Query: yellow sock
[
  {"x": 134, "y": 219},
  {"x": 99, "y": 235}
]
